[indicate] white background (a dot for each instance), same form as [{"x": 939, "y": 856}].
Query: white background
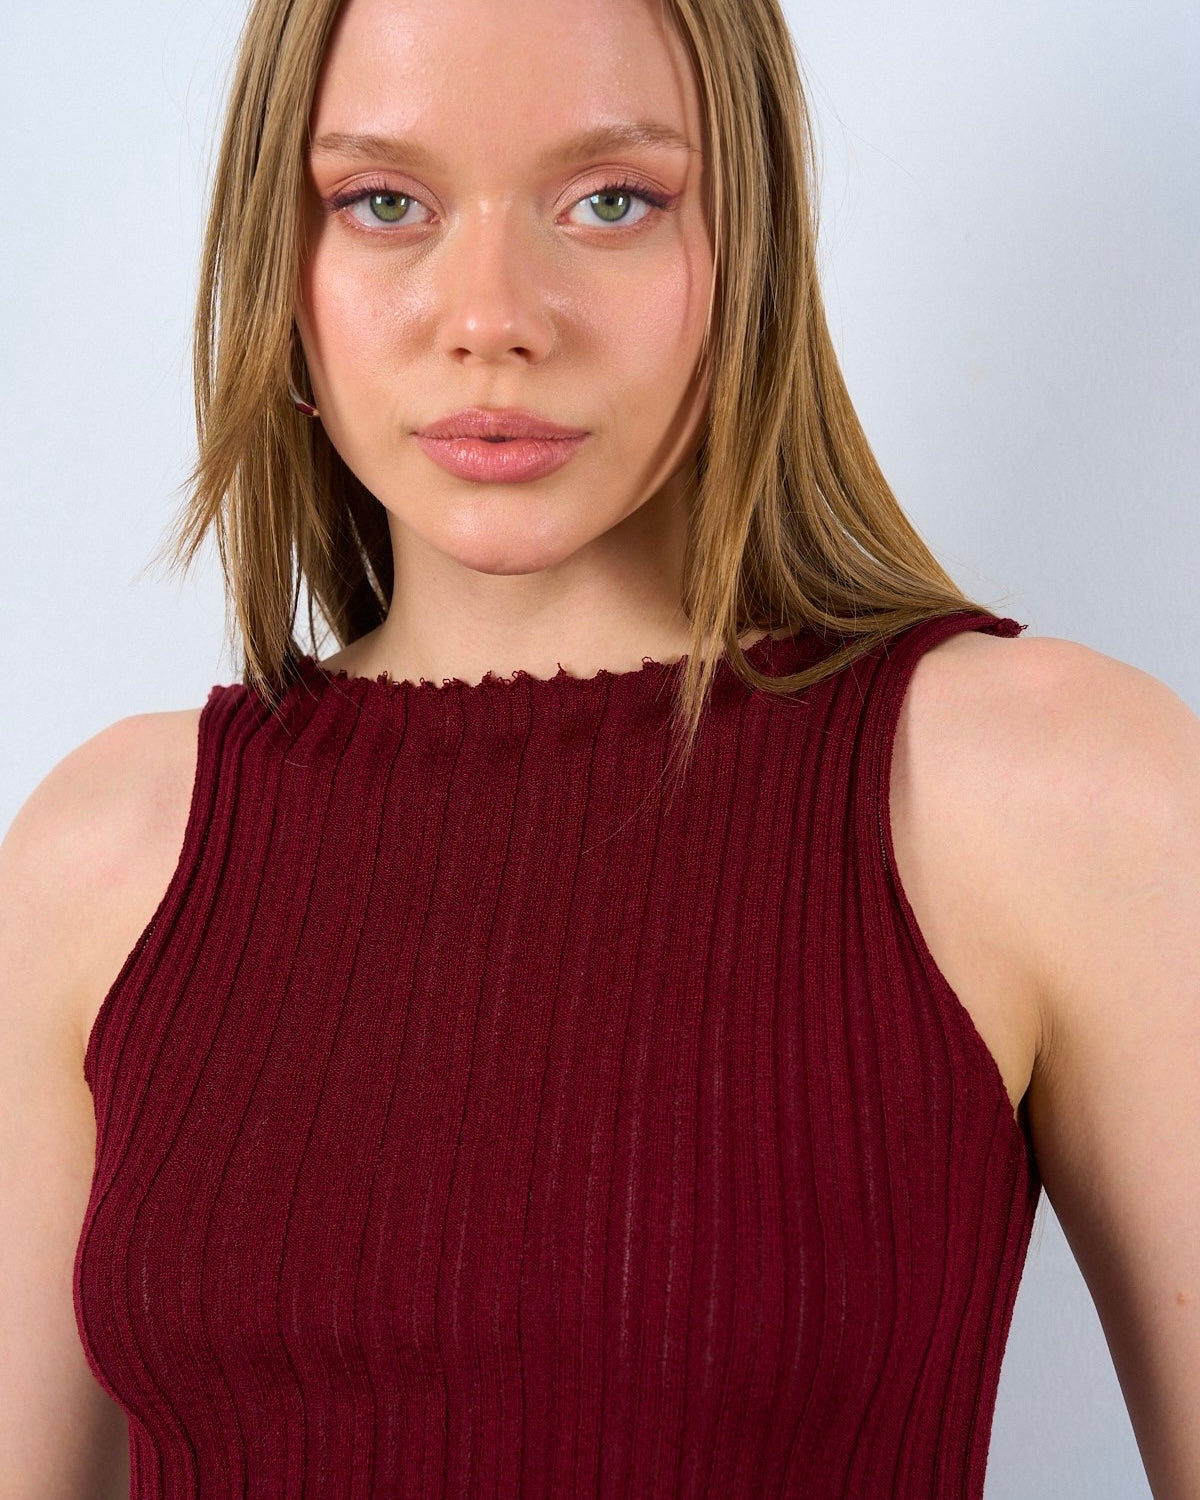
[{"x": 1011, "y": 201}]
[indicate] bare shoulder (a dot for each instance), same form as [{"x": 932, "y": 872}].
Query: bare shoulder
[
  {"x": 1047, "y": 763},
  {"x": 1075, "y": 738},
  {"x": 92, "y": 850},
  {"x": 1084, "y": 781},
  {"x": 1043, "y": 684},
  {"x": 82, "y": 868}
]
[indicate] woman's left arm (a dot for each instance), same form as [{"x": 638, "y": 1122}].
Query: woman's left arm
[{"x": 1113, "y": 897}]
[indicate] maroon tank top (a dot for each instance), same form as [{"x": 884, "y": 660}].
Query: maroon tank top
[{"x": 475, "y": 1118}]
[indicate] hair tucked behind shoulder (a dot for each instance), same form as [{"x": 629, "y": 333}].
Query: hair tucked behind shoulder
[{"x": 793, "y": 524}]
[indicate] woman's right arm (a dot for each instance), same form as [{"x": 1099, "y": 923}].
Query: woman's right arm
[{"x": 82, "y": 870}]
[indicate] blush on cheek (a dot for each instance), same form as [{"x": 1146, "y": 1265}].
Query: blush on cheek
[
  {"x": 375, "y": 313},
  {"x": 674, "y": 315},
  {"x": 665, "y": 297},
  {"x": 658, "y": 338}
]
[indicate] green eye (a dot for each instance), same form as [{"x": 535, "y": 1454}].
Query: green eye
[
  {"x": 612, "y": 205},
  {"x": 389, "y": 207}
]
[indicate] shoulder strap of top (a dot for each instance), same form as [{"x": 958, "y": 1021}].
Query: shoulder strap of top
[
  {"x": 882, "y": 678},
  {"x": 222, "y": 722},
  {"x": 884, "y": 684}
]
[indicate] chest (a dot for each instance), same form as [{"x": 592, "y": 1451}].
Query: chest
[
  {"x": 658, "y": 1121},
  {"x": 733, "y": 1180}
]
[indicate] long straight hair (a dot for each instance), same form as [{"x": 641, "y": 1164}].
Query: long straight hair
[{"x": 792, "y": 526}]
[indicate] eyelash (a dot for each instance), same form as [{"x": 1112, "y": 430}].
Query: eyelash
[{"x": 658, "y": 202}]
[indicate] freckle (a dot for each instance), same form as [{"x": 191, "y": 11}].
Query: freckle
[{"x": 1182, "y": 1298}]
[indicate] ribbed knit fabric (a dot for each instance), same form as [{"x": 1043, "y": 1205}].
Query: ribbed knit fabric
[{"x": 476, "y": 1119}]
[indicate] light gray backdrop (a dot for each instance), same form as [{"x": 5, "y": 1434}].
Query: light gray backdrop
[{"x": 1011, "y": 241}]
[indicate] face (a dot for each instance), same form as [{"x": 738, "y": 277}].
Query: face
[{"x": 493, "y": 258}]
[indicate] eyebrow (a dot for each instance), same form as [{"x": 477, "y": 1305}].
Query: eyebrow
[{"x": 594, "y": 142}]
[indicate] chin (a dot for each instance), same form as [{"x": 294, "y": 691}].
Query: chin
[
  {"x": 506, "y": 559},
  {"x": 503, "y": 545}
]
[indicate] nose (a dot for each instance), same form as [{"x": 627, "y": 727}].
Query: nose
[{"x": 496, "y": 304}]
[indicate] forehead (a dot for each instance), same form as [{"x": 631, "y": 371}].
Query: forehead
[{"x": 504, "y": 73}]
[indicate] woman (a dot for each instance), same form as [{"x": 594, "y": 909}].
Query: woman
[{"x": 524, "y": 1061}]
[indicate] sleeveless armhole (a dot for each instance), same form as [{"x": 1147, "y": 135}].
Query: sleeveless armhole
[
  {"x": 213, "y": 721},
  {"x": 896, "y": 665}
]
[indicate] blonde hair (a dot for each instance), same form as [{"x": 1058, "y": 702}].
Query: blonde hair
[{"x": 793, "y": 525}]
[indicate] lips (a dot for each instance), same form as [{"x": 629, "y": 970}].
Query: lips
[
  {"x": 499, "y": 425},
  {"x": 509, "y": 461},
  {"x": 504, "y": 445}
]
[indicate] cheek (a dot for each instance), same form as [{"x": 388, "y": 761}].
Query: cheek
[
  {"x": 649, "y": 323},
  {"x": 360, "y": 319}
]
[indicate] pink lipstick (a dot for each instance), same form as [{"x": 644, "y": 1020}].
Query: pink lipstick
[{"x": 504, "y": 445}]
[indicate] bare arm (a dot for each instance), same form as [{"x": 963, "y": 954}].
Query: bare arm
[
  {"x": 1116, "y": 1113},
  {"x": 1097, "y": 843},
  {"x": 81, "y": 872}
]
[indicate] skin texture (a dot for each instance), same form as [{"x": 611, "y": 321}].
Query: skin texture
[
  {"x": 503, "y": 286},
  {"x": 1045, "y": 798},
  {"x": 1070, "y": 785}
]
